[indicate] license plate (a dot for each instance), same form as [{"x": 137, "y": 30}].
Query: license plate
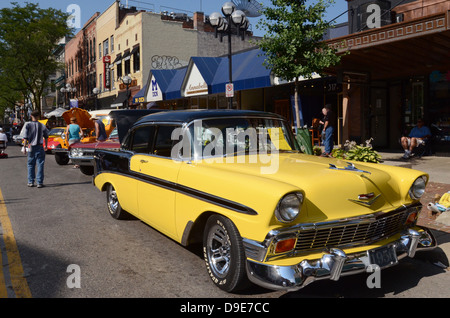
[{"x": 383, "y": 256}]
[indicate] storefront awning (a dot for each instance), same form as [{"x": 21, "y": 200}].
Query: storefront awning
[
  {"x": 118, "y": 59},
  {"x": 173, "y": 91},
  {"x": 248, "y": 72},
  {"x": 121, "y": 99},
  {"x": 140, "y": 97}
]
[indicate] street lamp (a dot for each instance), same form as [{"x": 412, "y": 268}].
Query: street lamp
[
  {"x": 96, "y": 91},
  {"x": 127, "y": 81},
  {"x": 223, "y": 25},
  {"x": 64, "y": 91}
]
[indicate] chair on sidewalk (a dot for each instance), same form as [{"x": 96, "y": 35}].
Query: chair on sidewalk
[{"x": 316, "y": 136}]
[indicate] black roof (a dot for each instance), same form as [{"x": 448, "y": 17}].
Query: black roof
[{"x": 186, "y": 116}]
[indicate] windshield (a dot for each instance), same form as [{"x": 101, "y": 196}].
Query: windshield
[
  {"x": 236, "y": 136},
  {"x": 56, "y": 131}
]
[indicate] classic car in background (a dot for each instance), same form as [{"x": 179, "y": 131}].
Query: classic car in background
[
  {"x": 55, "y": 138},
  {"x": 237, "y": 182},
  {"x": 87, "y": 125},
  {"x": 82, "y": 154},
  {"x": 103, "y": 115}
]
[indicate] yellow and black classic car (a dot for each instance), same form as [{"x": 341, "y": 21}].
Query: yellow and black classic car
[{"x": 265, "y": 212}]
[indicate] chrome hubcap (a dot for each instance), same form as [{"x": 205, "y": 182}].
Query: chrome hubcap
[
  {"x": 112, "y": 200},
  {"x": 219, "y": 251}
]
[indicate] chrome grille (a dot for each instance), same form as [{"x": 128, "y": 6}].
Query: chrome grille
[{"x": 351, "y": 233}]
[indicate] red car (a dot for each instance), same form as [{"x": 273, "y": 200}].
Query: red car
[{"x": 82, "y": 154}]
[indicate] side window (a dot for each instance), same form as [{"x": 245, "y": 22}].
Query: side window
[
  {"x": 142, "y": 139},
  {"x": 164, "y": 142}
]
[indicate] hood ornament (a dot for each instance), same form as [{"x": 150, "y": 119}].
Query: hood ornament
[
  {"x": 350, "y": 167},
  {"x": 366, "y": 199}
]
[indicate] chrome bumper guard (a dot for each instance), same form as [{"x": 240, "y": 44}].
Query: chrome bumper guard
[
  {"x": 82, "y": 161},
  {"x": 333, "y": 264}
]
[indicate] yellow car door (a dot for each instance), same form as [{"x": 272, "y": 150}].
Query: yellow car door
[{"x": 158, "y": 175}]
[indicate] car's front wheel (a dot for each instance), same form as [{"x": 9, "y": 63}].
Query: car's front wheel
[
  {"x": 114, "y": 207},
  {"x": 61, "y": 158},
  {"x": 224, "y": 254}
]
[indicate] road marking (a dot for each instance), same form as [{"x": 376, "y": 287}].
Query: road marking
[{"x": 18, "y": 281}]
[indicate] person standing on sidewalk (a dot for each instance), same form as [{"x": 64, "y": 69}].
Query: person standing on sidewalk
[
  {"x": 328, "y": 130},
  {"x": 34, "y": 133}
]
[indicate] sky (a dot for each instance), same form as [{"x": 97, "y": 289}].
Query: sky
[{"x": 88, "y": 7}]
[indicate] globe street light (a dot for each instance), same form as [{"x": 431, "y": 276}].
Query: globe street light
[
  {"x": 96, "y": 91},
  {"x": 127, "y": 81},
  {"x": 223, "y": 25}
]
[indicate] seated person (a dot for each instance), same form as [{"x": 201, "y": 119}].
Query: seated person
[{"x": 416, "y": 137}]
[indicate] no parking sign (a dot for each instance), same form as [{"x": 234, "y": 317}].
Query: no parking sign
[{"x": 229, "y": 90}]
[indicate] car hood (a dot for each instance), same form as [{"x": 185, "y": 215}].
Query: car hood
[
  {"x": 107, "y": 144},
  {"x": 332, "y": 189},
  {"x": 82, "y": 116}
]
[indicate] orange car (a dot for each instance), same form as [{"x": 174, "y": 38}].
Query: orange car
[{"x": 88, "y": 127}]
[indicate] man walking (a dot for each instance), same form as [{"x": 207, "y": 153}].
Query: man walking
[{"x": 34, "y": 133}]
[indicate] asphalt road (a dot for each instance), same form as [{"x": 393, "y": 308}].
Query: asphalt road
[{"x": 71, "y": 248}]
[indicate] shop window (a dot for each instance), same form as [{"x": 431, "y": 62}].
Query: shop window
[
  {"x": 127, "y": 66},
  {"x": 136, "y": 60},
  {"x": 119, "y": 71}
]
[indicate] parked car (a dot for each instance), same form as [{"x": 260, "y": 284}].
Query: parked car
[
  {"x": 82, "y": 153},
  {"x": 265, "y": 212},
  {"x": 87, "y": 125},
  {"x": 103, "y": 115},
  {"x": 56, "y": 137}
]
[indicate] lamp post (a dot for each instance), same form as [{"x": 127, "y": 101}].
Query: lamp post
[
  {"x": 223, "y": 25},
  {"x": 63, "y": 90},
  {"x": 96, "y": 91},
  {"x": 127, "y": 81}
]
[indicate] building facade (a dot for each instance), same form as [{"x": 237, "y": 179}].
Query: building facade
[
  {"x": 133, "y": 42},
  {"x": 395, "y": 71},
  {"x": 80, "y": 67}
]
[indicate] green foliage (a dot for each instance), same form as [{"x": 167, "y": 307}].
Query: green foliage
[
  {"x": 28, "y": 37},
  {"x": 352, "y": 151},
  {"x": 293, "y": 38}
]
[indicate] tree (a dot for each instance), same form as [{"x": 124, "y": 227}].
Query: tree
[
  {"x": 28, "y": 37},
  {"x": 293, "y": 41}
]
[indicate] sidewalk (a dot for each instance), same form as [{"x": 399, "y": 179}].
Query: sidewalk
[{"x": 439, "y": 170}]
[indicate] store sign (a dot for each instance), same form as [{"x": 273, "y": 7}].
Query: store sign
[
  {"x": 196, "y": 84},
  {"x": 106, "y": 71},
  {"x": 154, "y": 93}
]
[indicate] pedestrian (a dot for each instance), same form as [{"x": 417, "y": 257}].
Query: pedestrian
[
  {"x": 100, "y": 131},
  {"x": 73, "y": 131},
  {"x": 328, "y": 130},
  {"x": 34, "y": 135},
  {"x": 73, "y": 134},
  {"x": 3, "y": 141},
  {"x": 418, "y": 136}
]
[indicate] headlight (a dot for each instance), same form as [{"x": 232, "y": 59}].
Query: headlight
[
  {"x": 76, "y": 152},
  {"x": 418, "y": 188},
  {"x": 289, "y": 207}
]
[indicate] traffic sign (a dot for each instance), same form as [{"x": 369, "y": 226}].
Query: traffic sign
[{"x": 229, "y": 90}]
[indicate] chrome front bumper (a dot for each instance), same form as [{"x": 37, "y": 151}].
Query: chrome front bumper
[
  {"x": 333, "y": 264},
  {"x": 82, "y": 161}
]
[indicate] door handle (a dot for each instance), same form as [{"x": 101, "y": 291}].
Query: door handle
[{"x": 144, "y": 161}]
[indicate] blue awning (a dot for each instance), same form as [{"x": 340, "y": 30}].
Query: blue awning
[
  {"x": 173, "y": 91},
  {"x": 140, "y": 97},
  {"x": 248, "y": 72}
]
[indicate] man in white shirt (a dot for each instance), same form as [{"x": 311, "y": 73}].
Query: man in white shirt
[{"x": 3, "y": 140}]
